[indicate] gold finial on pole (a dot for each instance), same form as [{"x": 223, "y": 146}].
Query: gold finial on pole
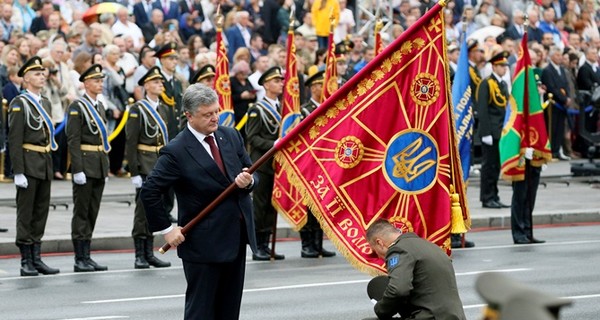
[
  {"x": 292, "y": 20},
  {"x": 526, "y": 23},
  {"x": 331, "y": 20},
  {"x": 219, "y": 17},
  {"x": 378, "y": 25}
]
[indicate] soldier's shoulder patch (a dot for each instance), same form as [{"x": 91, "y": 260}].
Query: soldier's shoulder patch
[
  {"x": 392, "y": 261},
  {"x": 133, "y": 114},
  {"x": 252, "y": 114},
  {"x": 15, "y": 108},
  {"x": 73, "y": 112}
]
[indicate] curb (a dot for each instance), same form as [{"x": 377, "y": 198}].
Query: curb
[{"x": 493, "y": 222}]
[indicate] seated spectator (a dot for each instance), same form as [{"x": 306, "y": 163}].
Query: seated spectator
[{"x": 10, "y": 58}]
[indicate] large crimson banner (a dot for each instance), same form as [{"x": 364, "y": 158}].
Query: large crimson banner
[
  {"x": 383, "y": 146},
  {"x": 222, "y": 82}
]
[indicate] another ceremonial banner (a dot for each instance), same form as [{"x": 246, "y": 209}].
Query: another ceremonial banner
[
  {"x": 222, "y": 82},
  {"x": 524, "y": 124},
  {"x": 330, "y": 84},
  {"x": 383, "y": 146},
  {"x": 378, "y": 40},
  {"x": 463, "y": 109},
  {"x": 286, "y": 198}
]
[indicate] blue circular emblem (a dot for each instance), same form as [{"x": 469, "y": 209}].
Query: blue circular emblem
[
  {"x": 227, "y": 118},
  {"x": 411, "y": 161},
  {"x": 289, "y": 122}
]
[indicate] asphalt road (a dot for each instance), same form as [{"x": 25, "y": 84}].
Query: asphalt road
[{"x": 328, "y": 289}]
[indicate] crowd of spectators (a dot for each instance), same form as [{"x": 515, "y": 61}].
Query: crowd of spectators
[{"x": 69, "y": 39}]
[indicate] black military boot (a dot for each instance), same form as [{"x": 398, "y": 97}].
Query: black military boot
[
  {"x": 318, "y": 234},
  {"x": 268, "y": 250},
  {"x": 81, "y": 264},
  {"x": 38, "y": 264},
  {"x": 308, "y": 248},
  {"x": 261, "y": 246},
  {"x": 149, "y": 254},
  {"x": 456, "y": 241},
  {"x": 27, "y": 268},
  {"x": 140, "y": 258},
  {"x": 86, "y": 252}
]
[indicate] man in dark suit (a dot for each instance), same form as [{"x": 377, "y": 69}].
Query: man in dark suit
[
  {"x": 192, "y": 7},
  {"x": 142, "y": 11},
  {"x": 41, "y": 22},
  {"x": 492, "y": 96},
  {"x": 516, "y": 29},
  {"x": 150, "y": 29},
  {"x": 534, "y": 33},
  {"x": 554, "y": 77},
  {"x": 459, "y": 8},
  {"x": 169, "y": 8},
  {"x": 422, "y": 283},
  {"x": 268, "y": 13},
  {"x": 31, "y": 138},
  {"x": 87, "y": 138},
  {"x": 147, "y": 133},
  {"x": 200, "y": 164}
]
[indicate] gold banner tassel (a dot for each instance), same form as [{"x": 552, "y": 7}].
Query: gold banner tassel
[{"x": 458, "y": 224}]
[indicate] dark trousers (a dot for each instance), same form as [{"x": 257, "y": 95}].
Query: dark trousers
[
  {"x": 59, "y": 157},
  {"x": 214, "y": 290},
  {"x": 312, "y": 224},
  {"x": 140, "y": 222},
  {"x": 33, "y": 204},
  {"x": 117, "y": 151},
  {"x": 86, "y": 204},
  {"x": 264, "y": 212},
  {"x": 490, "y": 172},
  {"x": 523, "y": 202},
  {"x": 558, "y": 129},
  {"x": 323, "y": 42}
]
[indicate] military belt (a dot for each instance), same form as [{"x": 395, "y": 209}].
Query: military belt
[
  {"x": 145, "y": 147},
  {"x": 92, "y": 147},
  {"x": 36, "y": 148}
]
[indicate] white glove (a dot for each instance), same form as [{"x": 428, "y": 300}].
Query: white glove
[
  {"x": 529, "y": 153},
  {"x": 79, "y": 178},
  {"x": 373, "y": 301},
  {"x": 487, "y": 140},
  {"x": 21, "y": 181},
  {"x": 137, "y": 181}
]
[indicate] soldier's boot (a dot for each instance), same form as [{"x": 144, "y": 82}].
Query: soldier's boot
[
  {"x": 456, "y": 241},
  {"x": 268, "y": 250},
  {"x": 261, "y": 244},
  {"x": 308, "y": 248},
  {"x": 149, "y": 254},
  {"x": 38, "y": 264},
  {"x": 318, "y": 234},
  {"x": 140, "y": 257},
  {"x": 27, "y": 268},
  {"x": 81, "y": 264},
  {"x": 86, "y": 252}
]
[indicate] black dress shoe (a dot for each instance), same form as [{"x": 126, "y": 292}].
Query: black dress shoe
[
  {"x": 3, "y": 230},
  {"x": 502, "y": 205},
  {"x": 534, "y": 240},
  {"x": 523, "y": 241},
  {"x": 492, "y": 204}
]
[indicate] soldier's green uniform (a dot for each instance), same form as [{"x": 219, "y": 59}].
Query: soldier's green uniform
[
  {"x": 145, "y": 137},
  {"x": 173, "y": 92},
  {"x": 30, "y": 142},
  {"x": 87, "y": 138},
  {"x": 262, "y": 129}
]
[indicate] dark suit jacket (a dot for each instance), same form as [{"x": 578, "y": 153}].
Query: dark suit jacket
[
  {"x": 139, "y": 12},
  {"x": 268, "y": 12},
  {"x": 38, "y": 24},
  {"x": 10, "y": 91},
  {"x": 149, "y": 31},
  {"x": 586, "y": 77},
  {"x": 534, "y": 34},
  {"x": 235, "y": 40},
  {"x": 186, "y": 166},
  {"x": 459, "y": 7},
  {"x": 173, "y": 10},
  {"x": 556, "y": 84},
  {"x": 513, "y": 33},
  {"x": 196, "y": 6}
]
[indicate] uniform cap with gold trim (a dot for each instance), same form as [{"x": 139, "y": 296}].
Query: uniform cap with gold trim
[
  {"x": 272, "y": 73},
  {"x": 315, "y": 77},
  {"x": 204, "y": 72},
  {"x": 151, "y": 74},
  {"x": 34, "y": 63},
  {"x": 500, "y": 58},
  {"x": 93, "y": 72},
  {"x": 472, "y": 44},
  {"x": 168, "y": 50}
]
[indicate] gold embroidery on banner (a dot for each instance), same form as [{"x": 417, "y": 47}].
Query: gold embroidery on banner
[
  {"x": 408, "y": 165},
  {"x": 223, "y": 85},
  {"x": 425, "y": 89},
  {"x": 349, "y": 152}
]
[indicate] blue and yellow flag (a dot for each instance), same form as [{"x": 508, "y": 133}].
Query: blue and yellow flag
[{"x": 463, "y": 109}]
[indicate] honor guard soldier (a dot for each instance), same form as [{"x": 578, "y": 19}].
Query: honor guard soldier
[
  {"x": 491, "y": 98},
  {"x": 173, "y": 89},
  {"x": 147, "y": 132},
  {"x": 206, "y": 76},
  {"x": 262, "y": 129},
  {"x": 31, "y": 139},
  {"x": 87, "y": 137},
  {"x": 341, "y": 49},
  {"x": 312, "y": 234}
]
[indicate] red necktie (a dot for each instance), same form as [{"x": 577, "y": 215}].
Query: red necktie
[{"x": 215, "y": 152}]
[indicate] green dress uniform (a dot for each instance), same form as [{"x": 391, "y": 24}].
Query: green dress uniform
[
  {"x": 88, "y": 147},
  {"x": 492, "y": 96},
  {"x": 173, "y": 92},
  {"x": 422, "y": 284},
  {"x": 262, "y": 129},
  {"x": 145, "y": 137},
  {"x": 30, "y": 143}
]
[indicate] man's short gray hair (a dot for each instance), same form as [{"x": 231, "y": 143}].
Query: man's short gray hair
[{"x": 198, "y": 95}]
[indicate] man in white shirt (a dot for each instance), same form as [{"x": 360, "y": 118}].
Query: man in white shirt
[
  {"x": 260, "y": 66},
  {"x": 345, "y": 24},
  {"x": 124, "y": 27},
  {"x": 127, "y": 62}
]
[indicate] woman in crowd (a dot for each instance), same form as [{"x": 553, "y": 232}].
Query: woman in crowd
[
  {"x": 81, "y": 63},
  {"x": 10, "y": 58},
  {"x": 194, "y": 44},
  {"x": 24, "y": 50},
  {"x": 241, "y": 54},
  {"x": 242, "y": 92}
]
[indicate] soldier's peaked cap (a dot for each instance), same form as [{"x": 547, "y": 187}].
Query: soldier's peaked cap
[
  {"x": 34, "y": 63},
  {"x": 272, "y": 73},
  {"x": 93, "y": 72},
  {"x": 153, "y": 73},
  {"x": 169, "y": 49},
  {"x": 500, "y": 58},
  {"x": 204, "y": 72},
  {"x": 315, "y": 78}
]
